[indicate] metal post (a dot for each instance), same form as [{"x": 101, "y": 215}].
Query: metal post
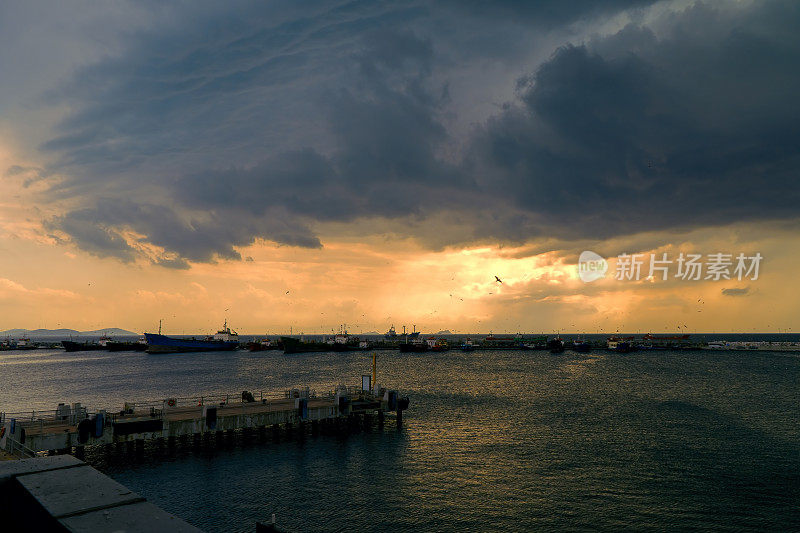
[{"x": 374, "y": 368}]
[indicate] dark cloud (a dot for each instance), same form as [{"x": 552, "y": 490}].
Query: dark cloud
[
  {"x": 636, "y": 132},
  {"x": 736, "y": 292},
  {"x": 216, "y": 134},
  {"x": 93, "y": 234}
]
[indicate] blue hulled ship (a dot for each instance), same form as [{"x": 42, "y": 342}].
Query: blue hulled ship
[{"x": 223, "y": 340}]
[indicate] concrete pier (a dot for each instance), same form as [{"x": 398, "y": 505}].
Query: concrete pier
[
  {"x": 61, "y": 493},
  {"x": 179, "y": 418}
]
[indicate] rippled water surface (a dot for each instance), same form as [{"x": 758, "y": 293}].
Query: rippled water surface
[{"x": 493, "y": 441}]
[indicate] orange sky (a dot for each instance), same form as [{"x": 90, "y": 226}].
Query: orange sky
[
  {"x": 372, "y": 284},
  {"x": 493, "y": 161}
]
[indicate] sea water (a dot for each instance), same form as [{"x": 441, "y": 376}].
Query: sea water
[{"x": 492, "y": 441}]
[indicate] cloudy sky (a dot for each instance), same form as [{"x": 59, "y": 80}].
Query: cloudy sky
[{"x": 304, "y": 165}]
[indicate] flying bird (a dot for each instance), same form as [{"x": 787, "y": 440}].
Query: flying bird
[{"x": 498, "y": 279}]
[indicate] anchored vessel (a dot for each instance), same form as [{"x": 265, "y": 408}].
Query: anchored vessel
[
  {"x": 73, "y": 346},
  {"x": 223, "y": 340}
]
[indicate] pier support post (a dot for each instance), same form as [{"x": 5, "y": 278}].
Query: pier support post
[
  {"x": 380, "y": 418},
  {"x": 218, "y": 437},
  {"x": 80, "y": 453},
  {"x": 314, "y": 428},
  {"x": 399, "y": 418},
  {"x": 288, "y": 429},
  {"x": 129, "y": 447},
  {"x": 171, "y": 442},
  {"x": 139, "y": 446},
  {"x": 276, "y": 432}
]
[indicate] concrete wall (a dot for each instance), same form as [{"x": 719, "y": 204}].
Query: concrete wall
[{"x": 64, "y": 494}]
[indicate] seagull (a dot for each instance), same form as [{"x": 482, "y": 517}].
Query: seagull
[
  {"x": 498, "y": 279},
  {"x": 287, "y": 292}
]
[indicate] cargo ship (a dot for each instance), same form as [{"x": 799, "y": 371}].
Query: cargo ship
[
  {"x": 392, "y": 335},
  {"x": 223, "y": 340}
]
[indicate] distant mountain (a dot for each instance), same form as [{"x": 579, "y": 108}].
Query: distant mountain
[
  {"x": 444, "y": 332},
  {"x": 111, "y": 332}
]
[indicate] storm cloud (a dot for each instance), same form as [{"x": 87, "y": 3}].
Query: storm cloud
[{"x": 205, "y": 136}]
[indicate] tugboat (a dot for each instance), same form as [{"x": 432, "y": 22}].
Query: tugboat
[{"x": 223, "y": 340}]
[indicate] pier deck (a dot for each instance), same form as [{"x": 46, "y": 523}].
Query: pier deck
[{"x": 74, "y": 426}]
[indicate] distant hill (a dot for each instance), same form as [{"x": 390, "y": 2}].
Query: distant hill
[
  {"x": 111, "y": 332},
  {"x": 444, "y": 332}
]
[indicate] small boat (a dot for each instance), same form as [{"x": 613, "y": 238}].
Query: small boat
[
  {"x": 262, "y": 345},
  {"x": 467, "y": 346},
  {"x": 581, "y": 345},
  {"x": 555, "y": 345},
  {"x": 26, "y": 344},
  {"x": 437, "y": 345},
  {"x": 618, "y": 344}
]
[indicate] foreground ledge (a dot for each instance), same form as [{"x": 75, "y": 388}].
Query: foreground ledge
[{"x": 62, "y": 493}]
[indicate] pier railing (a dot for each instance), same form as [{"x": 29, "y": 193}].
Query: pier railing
[
  {"x": 157, "y": 407},
  {"x": 17, "y": 449}
]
